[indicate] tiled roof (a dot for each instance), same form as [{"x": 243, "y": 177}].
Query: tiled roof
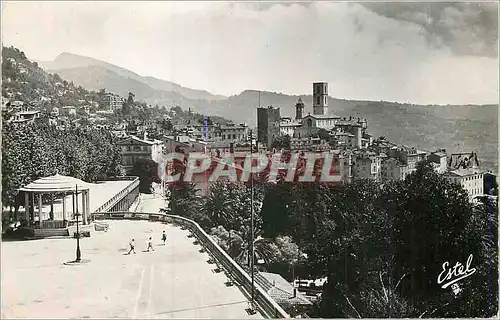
[
  {"x": 27, "y": 112},
  {"x": 397, "y": 161},
  {"x": 279, "y": 289},
  {"x": 465, "y": 172},
  {"x": 439, "y": 154},
  {"x": 344, "y": 134},
  {"x": 322, "y": 116},
  {"x": 140, "y": 140},
  {"x": 290, "y": 124},
  {"x": 348, "y": 123}
]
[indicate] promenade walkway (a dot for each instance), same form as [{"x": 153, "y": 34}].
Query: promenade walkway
[{"x": 174, "y": 281}]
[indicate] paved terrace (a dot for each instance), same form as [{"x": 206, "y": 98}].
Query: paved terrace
[
  {"x": 99, "y": 194},
  {"x": 174, "y": 281}
]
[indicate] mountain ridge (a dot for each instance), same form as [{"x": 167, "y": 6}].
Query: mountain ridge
[{"x": 69, "y": 61}]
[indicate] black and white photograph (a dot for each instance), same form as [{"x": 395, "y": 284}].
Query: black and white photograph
[{"x": 249, "y": 159}]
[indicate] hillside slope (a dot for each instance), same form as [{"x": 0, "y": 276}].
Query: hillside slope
[
  {"x": 24, "y": 80},
  {"x": 79, "y": 69}
]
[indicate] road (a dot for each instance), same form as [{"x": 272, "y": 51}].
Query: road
[{"x": 150, "y": 203}]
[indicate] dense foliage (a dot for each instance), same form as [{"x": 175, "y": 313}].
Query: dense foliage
[
  {"x": 146, "y": 170},
  {"x": 380, "y": 247},
  {"x": 281, "y": 142},
  {"x": 32, "y": 152},
  {"x": 193, "y": 118}
]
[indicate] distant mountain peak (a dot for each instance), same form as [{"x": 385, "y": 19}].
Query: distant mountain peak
[{"x": 79, "y": 69}]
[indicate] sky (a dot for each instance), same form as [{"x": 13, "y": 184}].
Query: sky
[{"x": 426, "y": 53}]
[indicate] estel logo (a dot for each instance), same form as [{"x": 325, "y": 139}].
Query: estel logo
[{"x": 451, "y": 275}]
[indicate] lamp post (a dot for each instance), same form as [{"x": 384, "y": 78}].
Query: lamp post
[
  {"x": 252, "y": 248},
  {"x": 78, "y": 252},
  {"x": 252, "y": 228}
]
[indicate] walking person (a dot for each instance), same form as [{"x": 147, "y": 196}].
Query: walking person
[
  {"x": 132, "y": 247},
  {"x": 164, "y": 237},
  {"x": 150, "y": 244}
]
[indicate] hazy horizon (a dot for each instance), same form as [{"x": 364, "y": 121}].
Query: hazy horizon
[{"x": 434, "y": 53}]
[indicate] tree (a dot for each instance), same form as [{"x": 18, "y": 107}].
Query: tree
[
  {"x": 130, "y": 99},
  {"x": 262, "y": 250},
  {"x": 33, "y": 151},
  {"x": 281, "y": 142},
  {"x": 184, "y": 201},
  {"x": 324, "y": 134},
  {"x": 285, "y": 257},
  {"x": 276, "y": 210},
  {"x": 230, "y": 241},
  {"x": 146, "y": 169},
  {"x": 219, "y": 205}
]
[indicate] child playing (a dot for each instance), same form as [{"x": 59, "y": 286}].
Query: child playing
[
  {"x": 164, "y": 237},
  {"x": 132, "y": 247},
  {"x": 150, "y": 244}
]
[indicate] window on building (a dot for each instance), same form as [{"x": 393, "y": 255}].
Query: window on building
[
  {"x": 317, "y": 100},
  {"x": 325, "y": 101}
]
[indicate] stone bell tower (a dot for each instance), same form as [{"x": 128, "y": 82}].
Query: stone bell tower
[
  {"x": 320, "y": 98},
  {"x": 299, "y": 109}
]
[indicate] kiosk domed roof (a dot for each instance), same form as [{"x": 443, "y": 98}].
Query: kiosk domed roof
[{"x": 56, "y": 183}]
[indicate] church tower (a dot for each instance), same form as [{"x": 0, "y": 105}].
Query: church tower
[
  {"x": 320, "y": 98},
  {"x": 299, "y": 109}
]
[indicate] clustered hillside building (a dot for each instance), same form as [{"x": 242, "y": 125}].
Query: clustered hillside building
[
  {"x": 363, "y": 157},
  {"x": 113, "y": 101},
  {"x": 463, "y": 169},
  {"x": 347, "y": 132},
  {"x": 134, "y": 149},
  {"x": 356, "y": 152}
]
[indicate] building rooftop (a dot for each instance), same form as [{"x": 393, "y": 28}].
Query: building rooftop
[
  {"x": 55, "y": 183},
  {"x": 439, "y": 154},
  {"x": 397, "y": 161},
  {"x": 131, "y": 137},
  {"x": 290, "y": 124},
  {"x": 279, "y": 289},
  {"x": 463, "y": 160},
  {"x": 465, "y": 172},
  {"x": 344, "y": 134},
  {"x": 234, "y": 126},
  {"x": 348, "y": 123},
  {"x": 323, "y": 116},
  {"x": 27, "y": 112}
]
